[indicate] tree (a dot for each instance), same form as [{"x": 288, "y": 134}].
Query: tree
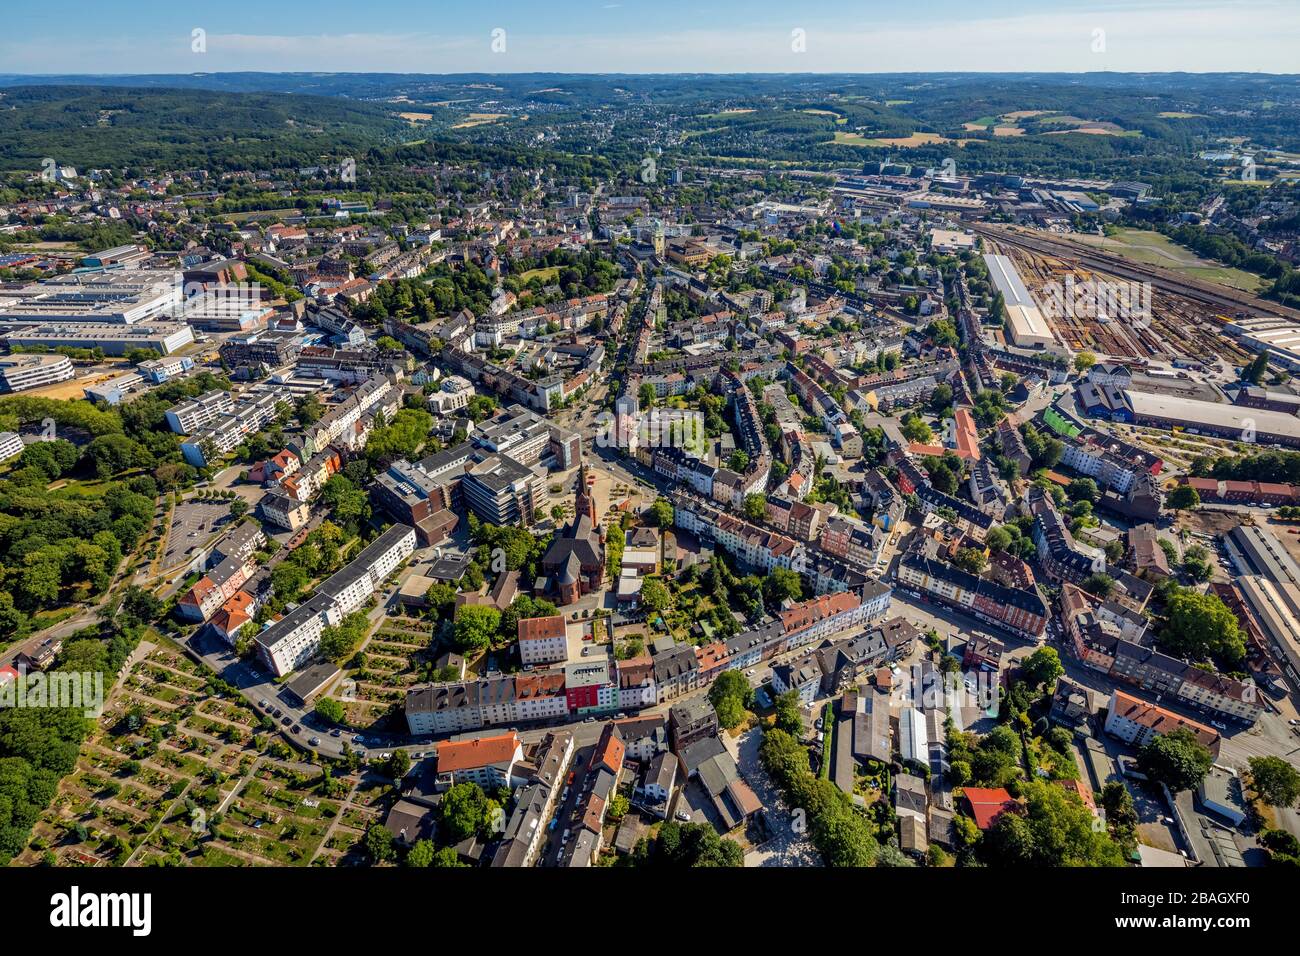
[
  {"x": 1176, "y": 759},
  {"x": 447, "y": 857},
  {"x": 330, "y": 709},
  {"x": 1183, "y": 498},
  {"x": 618, "y": 808},
  {"x": 789, "y": 715},
  {"x": 998, "y": 539},
  {"x": 941, "y": 398},
  {"x": 1200, "y": 626},
  {"x": 421, "y": 854},
  {"x": 654, "y": 595},
  {"x": 696, "y": 844},
  {"x": 1053, "y": 828},
  {"x": 731, "y": 683},
  {"x": 1042, "y": 668},
  {"x": 338, "y": 643},
  {"x": 782, "y": 584},
  {"x": 1082, "y": 489},
  {"x": 476, "y": 625},
  {"x": 970, "y": 559},
  {"x": 399, "y": 764},
  {"x": 738, "y": 461},
  {"x": 1275, "y": 780},
  {"x": 754, "y": 507},
  {"x": 730, "y": 713},
  {"x": 1084, "y": 361},
  {"x": 661, "y": 513},
  {"x": 915, "y": 429},
  {"x": 1100, "y": 584},
  {"x": 466, "y": 811},
  {"x": 379, "y": 844}
]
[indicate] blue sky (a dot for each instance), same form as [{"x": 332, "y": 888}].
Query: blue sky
[{"x": 434, "y": 36}]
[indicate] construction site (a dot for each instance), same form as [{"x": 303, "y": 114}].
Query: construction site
[{"x": 1180, "y": 319}]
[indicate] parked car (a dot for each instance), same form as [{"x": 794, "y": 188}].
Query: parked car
[
  {"x": 264, "y": 704},
  {"x": 315, "y": 741},
  {"x": 683, "y": 816},
  {"x": 286, "y": 721}
]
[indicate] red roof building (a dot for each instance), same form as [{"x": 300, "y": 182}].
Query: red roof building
[{"x": 987, "y": 804}]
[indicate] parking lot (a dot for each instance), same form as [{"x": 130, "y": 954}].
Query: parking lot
[{"x": 193, "y": 524}]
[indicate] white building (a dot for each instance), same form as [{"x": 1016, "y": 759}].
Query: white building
[
  {"x": 294, "y": 639},
  {"x": 11, "y": 445},
  {"x": 543, "y": 640},
  {"x": 21, "y": 372},
  {"x": 489, "y": 762}
]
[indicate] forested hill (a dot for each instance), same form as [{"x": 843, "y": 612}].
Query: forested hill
[{"x": 103, "y": 127}]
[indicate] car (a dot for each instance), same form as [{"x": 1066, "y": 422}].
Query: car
[
  {"x": 286, "y": 720},
  {"x": 295, "y": 729},
  {"x": 1218, "y": 725},
  {"x": 336, "y": 732},
  {"x": 277, "y": 712},
  {"x": 315, "y": 741},
  {"x": 361, "y": 754},
  {"x": 682, "y": 815},
  {"x": 264, "y": 704},
  {"x": 358, "y": 739},
  {"x": 387, "y": 754},
  {"x": 620, "y": 716},
  {"x": 1294, "y": 722},
  {"x": 565, "y": 795},
  {"x": 590, "y": 720}
]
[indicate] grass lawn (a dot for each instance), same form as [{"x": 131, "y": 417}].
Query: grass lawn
[
  {"x": 1152, "y": 248},
  {"x": 546, "y": 275}
]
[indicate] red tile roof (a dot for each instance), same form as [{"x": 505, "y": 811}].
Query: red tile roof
[
  {"x": 987, "y": 804},
  {"x": 541, "y": 628},
  {"x": 480, "y": 752}
]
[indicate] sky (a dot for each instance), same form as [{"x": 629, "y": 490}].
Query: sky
[{"x": 649, "y": 36}]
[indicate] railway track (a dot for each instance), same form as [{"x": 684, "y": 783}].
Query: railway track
[{"x": 1228, "y": 300}]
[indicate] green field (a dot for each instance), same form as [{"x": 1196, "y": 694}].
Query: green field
[
  {"x": 546, "y": 275},
  {"x": 1154, "y": 249}
]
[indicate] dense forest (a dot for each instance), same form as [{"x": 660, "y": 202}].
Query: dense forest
[{"x": 106, "y": 127}]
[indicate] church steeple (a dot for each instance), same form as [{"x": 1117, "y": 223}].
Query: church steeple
[{"x": 584, "y": 503}]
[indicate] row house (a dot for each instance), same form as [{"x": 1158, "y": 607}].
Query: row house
[
  {"x": 1114, "y": 640},
  {"x": 215, "y": 588},
  {"x": 307, "y": 481},
  {"x": 676, "y": 672},
  {"x": 795, "y": 518},
  {"x": 1113, "y": 463},
  {"x": 1023, "y": 612},
  {"x": 1137, "y": 722},
  {"x": 1059, "y": 554},
  {"x": 842, "y": 664},
  {"x": 283, "y": 511},
  {"x": 852, "y": 541}
]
